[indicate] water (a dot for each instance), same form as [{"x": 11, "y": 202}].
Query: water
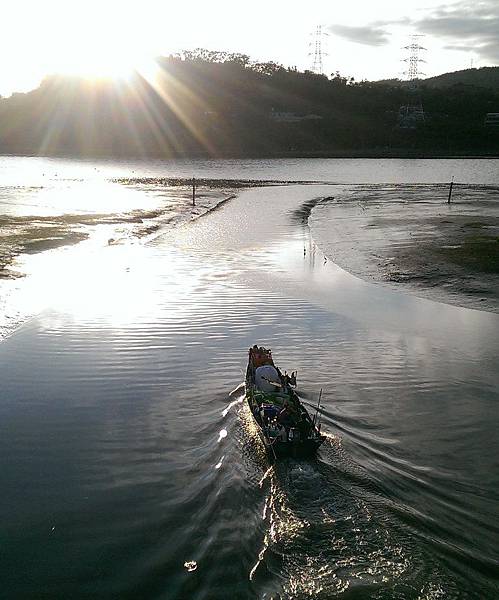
[
  {"x": 25, "y": 171},
  {"x": 49, "y": 205},
  {"x": 130, "y": 466}
]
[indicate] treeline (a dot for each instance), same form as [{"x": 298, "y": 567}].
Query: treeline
[
  {"x": 204, "y": 103},
  {"x": 487, "y": 77}
]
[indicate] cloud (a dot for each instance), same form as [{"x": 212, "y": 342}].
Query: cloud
[
  {"x": 458, "y": 47},
  {"x": 462, "y": 25},
  {"x": 373, "y": 34},
  {"x": 467, "y": 26}
]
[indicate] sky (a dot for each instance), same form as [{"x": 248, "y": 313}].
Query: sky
[{"x": 364, "y": 39}]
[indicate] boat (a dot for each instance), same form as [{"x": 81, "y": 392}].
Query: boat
[{"x": 283, "y": 422}]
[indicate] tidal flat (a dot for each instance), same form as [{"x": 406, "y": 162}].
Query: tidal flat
[{"x": 411, "y": 238}]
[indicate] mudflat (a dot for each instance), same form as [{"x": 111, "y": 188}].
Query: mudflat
[{"x": 412, "y": 238}]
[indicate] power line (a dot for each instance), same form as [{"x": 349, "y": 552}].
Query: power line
[{"x": 318, "y": 35}]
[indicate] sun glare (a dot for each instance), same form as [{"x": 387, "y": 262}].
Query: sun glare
[
  {"x": 110, "y": 65},
  {"x": 98, "y": 39}
]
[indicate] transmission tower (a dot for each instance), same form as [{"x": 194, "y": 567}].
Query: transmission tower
[
  {"x": 318, "y": 35},
  {"x": 412, "y": 113},
  {"x": 414, "y": 59}
]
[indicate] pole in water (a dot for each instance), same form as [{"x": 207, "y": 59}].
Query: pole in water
[
  {"x": 318, "y": 406},
  {"x": 193, "y": 191},
  {"x": 450, "y": 191}
]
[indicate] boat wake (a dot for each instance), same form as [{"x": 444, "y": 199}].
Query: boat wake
[{"x": 306, "y": 521}]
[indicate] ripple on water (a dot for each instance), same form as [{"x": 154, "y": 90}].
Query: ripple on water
[{"x": 126, "y": 420}]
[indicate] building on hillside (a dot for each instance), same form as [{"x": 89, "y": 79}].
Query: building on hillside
[
  {"x": 410, "y": 116},
  {"x": 290, "y": 117},
  {"x": 491, "y": 120}
]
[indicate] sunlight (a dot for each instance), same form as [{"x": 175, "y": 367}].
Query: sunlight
[
  {"x": 105, "y": 63},
  {"x": 115, "y": 285},
  {"x": 99, "y": 40},
  {"x": 109, "y": 39},
  {"x": 148, "y": 68}
]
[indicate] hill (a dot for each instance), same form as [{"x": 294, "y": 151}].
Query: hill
[
  {"x": 485, "y": 77},
  {"x": 204, "y": 103}
]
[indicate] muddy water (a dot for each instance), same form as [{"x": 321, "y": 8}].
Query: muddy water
[{"x": 130, "y": 466}]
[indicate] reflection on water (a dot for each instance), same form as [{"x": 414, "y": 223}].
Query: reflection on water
[
  {"x": 63, "y": 198},
  {"x": 309, "y": 524},
  {"x": 40, "y": 224},
  {"x": 25, "y": 171},
  {"x": 139, "y": 471}
]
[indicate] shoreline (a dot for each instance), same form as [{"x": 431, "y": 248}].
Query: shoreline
[
  {"x": 378, "y": 235},
  {"x": 337, "y": 154},
  {"x": 40, "y": 233}
]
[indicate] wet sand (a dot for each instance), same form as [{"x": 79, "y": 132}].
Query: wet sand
[
  {"x": 31, "y": 234},
  {"x": 410, "y": 238}
]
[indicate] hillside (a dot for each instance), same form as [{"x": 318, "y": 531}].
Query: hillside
[
  {"x": 486, "y": 77},
  {"x": 217, "y": 104}
]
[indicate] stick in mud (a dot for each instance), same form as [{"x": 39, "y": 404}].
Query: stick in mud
[
  {"x": 450, "y": 191},
  {"x": 193, "y": 191}
]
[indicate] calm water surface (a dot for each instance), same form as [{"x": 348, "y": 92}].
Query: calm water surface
[
  {"x": 130, "y": 467},
  {"x": 24, "y": 171}
]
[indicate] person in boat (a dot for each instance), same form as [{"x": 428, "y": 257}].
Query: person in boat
[
  {"x": 260, "y": 356},
  {"x": 304, "y": 425},
  {"x": 284, "y": 416},
  {"x": 282, "y": 435},
  {"x": 290, "y": 379}
]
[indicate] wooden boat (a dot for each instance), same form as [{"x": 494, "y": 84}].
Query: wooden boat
[{"x": 283, "y": 423}]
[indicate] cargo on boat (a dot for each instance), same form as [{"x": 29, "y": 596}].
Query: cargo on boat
[{"x": 283, "y": 422}]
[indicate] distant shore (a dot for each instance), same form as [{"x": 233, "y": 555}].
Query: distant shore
[{"x": 375, "y": 153}]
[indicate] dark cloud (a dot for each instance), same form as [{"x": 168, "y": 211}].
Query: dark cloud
[
  {"x": 467, "y": 26},
  {"x": 373, "y": 34}
]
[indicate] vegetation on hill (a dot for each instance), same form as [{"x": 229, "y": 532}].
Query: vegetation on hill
[
  {"x": 486, "y": 77},
  {"x": 220, "y": 104}
]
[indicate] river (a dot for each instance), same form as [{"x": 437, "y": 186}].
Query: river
[{"x": 130, "y": 467}]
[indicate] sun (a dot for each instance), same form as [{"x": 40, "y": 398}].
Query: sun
[
  {"x": 91, "y": 65},
  {"x": 99, "y": 39},
  {"x": 110, "y": 63}
]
